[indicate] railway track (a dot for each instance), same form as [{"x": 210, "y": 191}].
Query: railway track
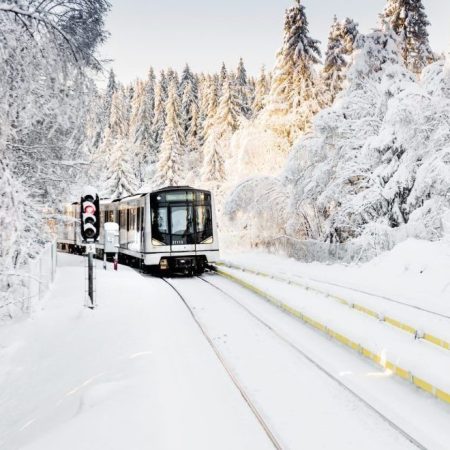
[
  {"x": 254, "y": 409},
  {"x": 298, "y": 351},
  {"x": 419, "y": 332}
]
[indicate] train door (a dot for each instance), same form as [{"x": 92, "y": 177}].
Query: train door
[{"x": 182, "y": 227}]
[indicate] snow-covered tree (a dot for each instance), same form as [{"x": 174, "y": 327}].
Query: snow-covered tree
[
  {"x": 229, "y": 112},
  {"x": 261, "y": 90},
  {"x": 409, "y": 21},
  {"x": 375, "y": 162},
  {"x": 111, "y": 89},
  {"x": 223, "y": 76},
  {"x": 213, "y": 169},
  {"x": 46, "y": 51},
  {"x": 341, "y": 44},
  {"x": 170, "y": 169},
  {"x": 141, "y": 129},
  {"x": 188, "y": 93},
  {"x": 120, "y": 174},
  {"x": 243, "y": 89},
  {"x": 293, "y": 97},
  {"x": 159, "y": 119},
  {"x": 208, "y": 106}
]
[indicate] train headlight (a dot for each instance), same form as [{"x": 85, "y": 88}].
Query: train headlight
[
  {"x": 156, "y": 242},
  {"x": 207, "y": 241}
]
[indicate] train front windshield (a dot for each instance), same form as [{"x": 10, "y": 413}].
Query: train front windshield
[{"x": 181, "y": 218}]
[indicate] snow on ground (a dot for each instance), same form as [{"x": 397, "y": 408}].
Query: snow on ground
[
  {"x": 415, "y": 271},
  {"x": 134, "y": 374},
  {"x": 416, "y": 412},
  {"x": 137, "y": 373}
]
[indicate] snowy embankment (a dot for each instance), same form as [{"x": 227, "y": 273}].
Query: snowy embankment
[{"x": 416, "y": 272}]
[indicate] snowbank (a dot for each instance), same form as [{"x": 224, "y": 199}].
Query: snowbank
[{"x": 415, "y": 271}]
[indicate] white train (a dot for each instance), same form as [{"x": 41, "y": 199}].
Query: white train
[{"x": 173, "y": 229}]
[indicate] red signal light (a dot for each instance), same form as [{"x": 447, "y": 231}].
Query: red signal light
[{"x": 89, "y": 209}]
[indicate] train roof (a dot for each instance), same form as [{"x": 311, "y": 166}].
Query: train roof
[
  {"x": 178, "y": 188},
  {"x": 142, "y": 194}
]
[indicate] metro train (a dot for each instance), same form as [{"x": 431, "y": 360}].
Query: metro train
[{"x": 170, "y": 229}]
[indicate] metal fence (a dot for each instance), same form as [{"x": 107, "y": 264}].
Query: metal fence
[
  {"x": 356, "y": 251},
  {"x": 28, "y": 285}
]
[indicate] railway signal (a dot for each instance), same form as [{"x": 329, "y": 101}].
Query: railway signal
[
  {"x": 90, "y": 231},
  {"x": 90, "y": 217}
]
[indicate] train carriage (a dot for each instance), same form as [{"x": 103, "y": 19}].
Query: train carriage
[{"x": 173, "y": 229}]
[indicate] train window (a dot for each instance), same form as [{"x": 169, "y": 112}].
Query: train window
[
  {"x": 203, "y": 223},
  {"x": 182, "y": 224},
  {"x": 160, "y": 225},
  {"x": 122, "y": 219}
]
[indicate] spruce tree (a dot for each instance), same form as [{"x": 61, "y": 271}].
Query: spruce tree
[
  {"x": 261, "y": 90},
  {"x": 223, "y": 76},
  {"x": 293, "y": 88},
  {"x": 159, "y": 119},
  {"x": 341, "y": 43},
  {"x": 213, "y": 168},
  {"x": 409, "y": 21},
  {"x": 120, "y": 176},
  {"x": 188, "y": 92},
  {"x": 111, "y": 89},
  {"x": 209, "y": 104},
  {"x": 141, "y": 131},
  {"x": 170, "y": 168},
  {"x": 243, "y": 89},
  {"x": 227, "y": 118}
]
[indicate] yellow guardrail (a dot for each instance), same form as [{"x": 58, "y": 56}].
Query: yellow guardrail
[
  {"x": 376, "y": 358},
  {"x": 418, "y": 334}
]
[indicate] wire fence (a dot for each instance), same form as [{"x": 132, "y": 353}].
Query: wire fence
[
  {"x": 307, "y": 250},
  {"x": 21, "y": 290}
]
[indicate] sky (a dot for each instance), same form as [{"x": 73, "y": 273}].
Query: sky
[{"x": 169, "y": 33}]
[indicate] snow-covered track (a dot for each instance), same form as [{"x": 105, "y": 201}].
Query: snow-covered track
[
  {"x": 242, "y": 391},
  {"x": 317, "y": 365},
  {"x": 364, "y": 350},
  {"x": 395, "y": 322}
]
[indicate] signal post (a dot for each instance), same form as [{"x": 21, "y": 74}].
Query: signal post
[{"x": 90, "y": 231}]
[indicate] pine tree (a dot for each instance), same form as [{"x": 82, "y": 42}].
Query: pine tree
[
  {"x": 120, "y": 175},
  {"x": 208, "y": 107},
  {"x": 159, "y": 119},
  {"x": 188, "y": 92},
  {"x": 120, "y": 178},
  {"x": 172, "y": 75},
  {"x": 243, "y": 89},
  {"x": 341, "y": 42},
  {"x": 170, "y": 168},
  {"x": 409, "y": 21},
  {"x": 261, "y": 90},
  {"x": 293, "y": 88},
  {"x": 223, "y": 76},
  {"x": 227, "y": 118},
  {"x": 141, "y": 131},
  {"x": 111, "y": 89},
  {"x": 213, "y": 168}
]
